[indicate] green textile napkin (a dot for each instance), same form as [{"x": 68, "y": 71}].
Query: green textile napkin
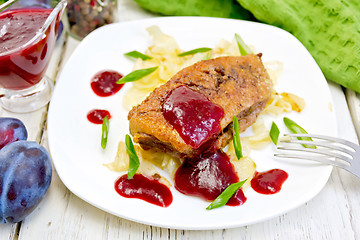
[
  {"x": 329, "y": 29},
  {"x": 209, "y": 8}
]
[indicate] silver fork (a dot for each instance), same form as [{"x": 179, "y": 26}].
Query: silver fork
[{"x": 329, "y": 150}]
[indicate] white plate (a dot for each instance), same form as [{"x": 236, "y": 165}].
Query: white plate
[{"x": 75, "y": 142}]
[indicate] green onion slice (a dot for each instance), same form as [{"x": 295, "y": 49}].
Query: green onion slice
[
  {"x": 104, "y": 132},
  {"x": 134, "y": 162},
  {"x": 295, "y": 128},
  {"x": 243, "y": 48},
  {"x": 207, "y": 56},
  {"x": 274, "y": 133},
  {"x": 136, "y": 54},
  {"x": 196, "y": 50},
  {"x": 136, "y": 75},
  {"x": 236, "y": 138},
  {"x": 224, "y": 197}
]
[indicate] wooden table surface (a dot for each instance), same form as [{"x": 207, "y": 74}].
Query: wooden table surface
[{"x": 333, "y": 214}]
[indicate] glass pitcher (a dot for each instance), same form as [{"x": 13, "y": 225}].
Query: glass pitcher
[{"x": 28, "y": 33}]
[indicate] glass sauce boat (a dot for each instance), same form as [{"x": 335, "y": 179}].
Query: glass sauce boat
[{"x": 28, "y": 34}]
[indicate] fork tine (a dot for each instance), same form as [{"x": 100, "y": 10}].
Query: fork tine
[
  {"x": 327, "y": 138},
  {"x": 317, "y": 151},
  {"x": 330, "y": 143},
  {"x": 313, "y": 158},
  {"x": 329, "y": 150}
]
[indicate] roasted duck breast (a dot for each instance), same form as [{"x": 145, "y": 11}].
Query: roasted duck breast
[{"x": 194, "y": 110}]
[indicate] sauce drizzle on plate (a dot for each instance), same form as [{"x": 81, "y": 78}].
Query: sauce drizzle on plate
[
  {"x": 269, "y": 182},
  {"x": 104, "y": 83},
  {"x": 144, "y": 188},
  {"x": 97, "y": 116}
]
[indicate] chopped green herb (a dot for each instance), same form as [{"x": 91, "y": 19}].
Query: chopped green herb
[
  {"x": 104, "y": 132},
  {"x": 274, "y": 133},
  {"x": 207, "y": 56},
  {"x": 236, "y": 138},
  {"x": 136, "y": 75},
  {"x": 134, "y": 162},
  {"x": 295, "y": 128},
  {"x": 192, "y": 52},
  {"x": 243, "y": 48},
  {"x": 136, "y": 54},
  {"x": 224, "y": 197}
]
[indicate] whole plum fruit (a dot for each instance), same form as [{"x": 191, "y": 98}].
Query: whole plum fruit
[
  {"x": 25, "y": 176},
  {"x": 11, "y": 130}
]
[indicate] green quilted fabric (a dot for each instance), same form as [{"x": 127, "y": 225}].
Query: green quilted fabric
[
  {"x": 329, "y": 29},
  {"x": 210, "y": 8}
]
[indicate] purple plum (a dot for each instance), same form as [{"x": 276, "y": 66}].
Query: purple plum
[
  {"x": 11, "y": 130},
  {"x": 25, "y": 176}
]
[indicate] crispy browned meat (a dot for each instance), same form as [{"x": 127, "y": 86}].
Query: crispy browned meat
[{"x": 240, "y": 85}]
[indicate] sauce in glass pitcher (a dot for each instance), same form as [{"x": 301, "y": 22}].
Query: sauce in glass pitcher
[{"x": 24, "y": 59}]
